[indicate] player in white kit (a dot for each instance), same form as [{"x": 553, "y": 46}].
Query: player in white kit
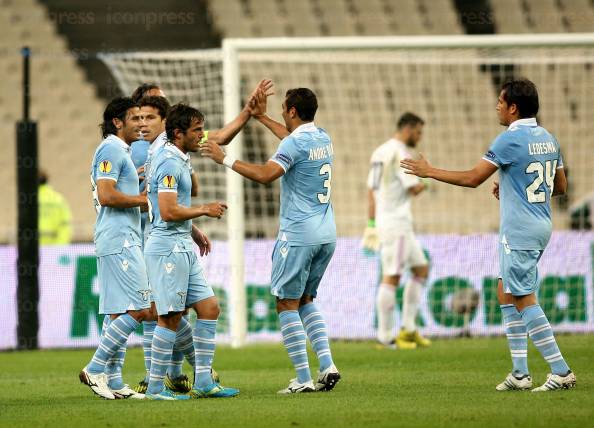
[{"x": 390, "y": 230}]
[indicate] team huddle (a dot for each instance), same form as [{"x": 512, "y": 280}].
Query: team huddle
[
  {"x": 143, "y": 181},
  {"x": 147, "y": 268}
]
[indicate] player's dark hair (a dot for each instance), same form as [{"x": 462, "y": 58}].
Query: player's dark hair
[
  {"x": 409, "y": 119},
  {"x": 523, "y": 93},
  {"x": 116, "y": 109},
  {"x": 304, "y": 101},
  {"x": 180, "y": 117},
  {"x": 159, "y": 103},
  {"x": 142, "y": 90}
]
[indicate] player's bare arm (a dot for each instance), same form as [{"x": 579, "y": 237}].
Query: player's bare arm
[
  {"x": 201, "y": 240},
  {"x": 263, "y": 174},
  {"x": 258, "y": 106},
  {"x": 111, "y": 197},
  {"x": 495, "y": 190},
  {"x": 195, "y": 184},
  {"x": 370, "y": 205},
  {"x": 471, "y": 178},
  {"x": 224, "y": 135},
  {"x": 560, "y": 183},
  {"x": 171, "y": 211},
  {"x": 417, "y": 189}
]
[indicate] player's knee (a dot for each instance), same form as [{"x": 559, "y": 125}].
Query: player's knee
[
  {"x": 306, "y": 299},
  {"x": 141, "y": 315},
  {"x": 421, "y": 272},
  {"x": 211, "y": 311}
]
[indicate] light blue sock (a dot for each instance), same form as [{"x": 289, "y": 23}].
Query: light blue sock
[
  {"x": 148, "y": 328},
  {"x": 113, "y": 368},
  {"x": 315, "y": 326},
  {"x": 106, "y": 321},
  {"x": 184, "y": 347},
  {"x": 163, "y": 340},
  {"x": 204, "y": 347},
  {"x": 294, "y": 340},
  {"x": 517, "y": 339},
  {"x": 113, "y": 338},
  {"x": 541, "y": 335}
]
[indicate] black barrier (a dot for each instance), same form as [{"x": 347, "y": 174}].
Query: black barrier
[{"x": 28, "y": 237}]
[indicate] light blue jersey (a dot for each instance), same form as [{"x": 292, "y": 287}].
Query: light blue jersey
[
  {"x": 306, "y": 215},
  {"x": 169, "y": 172},
  {"x": 528, "y": 157},
  {"x": 115, "y": 228}
]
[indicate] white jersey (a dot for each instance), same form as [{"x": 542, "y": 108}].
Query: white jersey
[{"x": 390, "y": 186}]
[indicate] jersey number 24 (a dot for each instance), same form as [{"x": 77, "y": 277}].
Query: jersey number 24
[{"x": 544, "y": 173}]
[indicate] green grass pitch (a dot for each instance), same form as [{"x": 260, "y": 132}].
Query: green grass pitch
[{"x": 449, "y": 384}]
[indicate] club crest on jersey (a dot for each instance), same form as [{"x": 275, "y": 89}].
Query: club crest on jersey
[
  {"x": 105, "y": 166},
  {"x": 145, "y": 294},
  {"x": 125, "y": 265},
  {"x": 169, "y": 181},
  {"x": 169, "y": 267}
]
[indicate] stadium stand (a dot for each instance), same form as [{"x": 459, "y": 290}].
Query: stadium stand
[
  {"x": 543, "y": 16},
  {"x": 63, "y": 102}
]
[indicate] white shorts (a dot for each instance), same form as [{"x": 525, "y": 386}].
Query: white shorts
[{"x": 399, "y": 251}]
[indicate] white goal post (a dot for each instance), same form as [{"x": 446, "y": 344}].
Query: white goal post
[{"x": 232, "y": 48}]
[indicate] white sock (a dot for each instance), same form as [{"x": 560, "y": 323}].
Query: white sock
[
  {"x": 384, "y": 304},
  {"x": 410, "y": 305}
]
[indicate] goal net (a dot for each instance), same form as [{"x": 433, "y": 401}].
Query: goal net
[{"x": 363, "y": 86}]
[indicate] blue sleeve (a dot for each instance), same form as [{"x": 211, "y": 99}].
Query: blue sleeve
[
  {"x": 109, "y": 162},
  {"x": 139, "y": 152},
  {"x": 500, "y": 152},
  {"x": 560, "y": 158},
  {"x": 167, "y": 176},
  {"x": 287, "y": 153}
]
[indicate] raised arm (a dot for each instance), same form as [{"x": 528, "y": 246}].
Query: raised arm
[
  {"x": 195, "y": 184},
  {"x": 258, "y": 107},
  {"x": 109, "y": 196},
  {"x": 224, "y": 135},
  {"x": 471, "y": 178}
]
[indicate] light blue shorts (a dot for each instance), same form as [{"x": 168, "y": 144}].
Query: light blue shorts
[
  {"x": 177, "y": 281},
  {"x": 297, "y": 271},
  {"x": 518, "y": 270},
  {"x": 123, "y": 282}
]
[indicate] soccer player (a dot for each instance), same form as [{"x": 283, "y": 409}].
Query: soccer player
[
  {"x": 390, "y": 228},
  {"x": 307, "y": 235},
  {"x": 531, "y": 171},
  {"x": 175, "y": 274},
  {"x": 142, "y": 153},
  {"x": 124, "y": 289}
]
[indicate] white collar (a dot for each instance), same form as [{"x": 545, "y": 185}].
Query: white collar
[
  {"x": 529, "y": 121},
  {"x": 173, "y": 149},
  {"x": 158, "y": 142},
  {"x": 119, "y": 141},
  {"x": 305, "y": 127}
]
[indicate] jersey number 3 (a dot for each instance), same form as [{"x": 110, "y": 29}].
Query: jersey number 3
[
  {"x": 545, "y": 173},
  {"x": 326, "y": 169}
]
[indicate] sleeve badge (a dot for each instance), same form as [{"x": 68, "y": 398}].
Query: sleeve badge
[
  {"x": 169, "y": 181},
  {"x": 105, "y": 166}
]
